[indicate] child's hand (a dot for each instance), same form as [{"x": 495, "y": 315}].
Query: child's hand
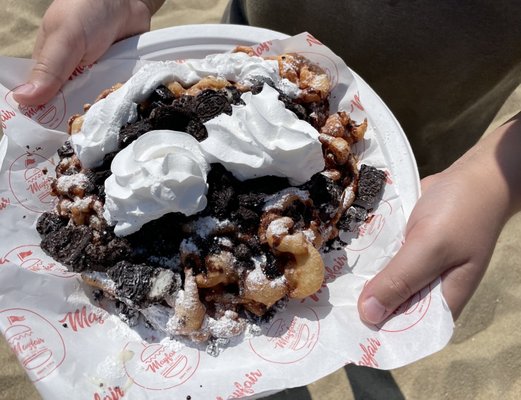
[
  {"x": 453, "y": 228},
  {"x": 75, "y": 33}
]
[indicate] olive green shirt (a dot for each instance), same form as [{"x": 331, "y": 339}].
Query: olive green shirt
[{"x": 443, "y": 67}]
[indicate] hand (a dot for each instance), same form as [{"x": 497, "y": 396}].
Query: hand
[
  {"x": 75, "y": 33},
  {"x": 453, "y": 228}
]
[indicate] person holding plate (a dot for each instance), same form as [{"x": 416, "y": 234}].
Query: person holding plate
[{"x": 436, "y": 65}]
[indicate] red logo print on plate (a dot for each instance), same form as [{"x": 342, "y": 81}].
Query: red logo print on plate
[
  {"x": 4, "y": 203},
  {"x": 49, "y": 115},
  {"x": 111, "y": 393},
  {"x": 369, "y": 351},
  {"x": 159, "y": 367},
  {"x": 409, "y": 313},
  {"x": 246, "y": 386},
  {"x": 288, "y": 338},
  {"x": 334, "y": 268},
  {"x": 32, "y": 187},
  {"x": 370, "y": 230},
  {"x": 35, "y": 341},
  {"x": 6, "y": 115},
  {"x": 262, "y": 48},
  {"x": 32, "y": 258},
  {"x": 83, "y": 318}
]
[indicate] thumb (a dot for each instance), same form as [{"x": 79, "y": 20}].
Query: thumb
[
  {"x": 55, "y": 62},
  {"x": 417, "y": 263}
]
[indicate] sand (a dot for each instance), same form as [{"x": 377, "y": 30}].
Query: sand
[{"x": 483, "y": 359}]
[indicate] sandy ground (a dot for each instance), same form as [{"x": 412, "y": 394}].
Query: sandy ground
[{"x": 483, "y": 360}]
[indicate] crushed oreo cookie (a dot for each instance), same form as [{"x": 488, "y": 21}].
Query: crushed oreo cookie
[{"x": 369, "y": 188}]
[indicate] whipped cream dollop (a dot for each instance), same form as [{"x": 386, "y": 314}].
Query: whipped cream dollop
[
  {"x": 263, "y": 138},
  {"x": 165, "y": 171},
  {"x": 99, "y": 132},
  {"x": 160, "y": 172}
]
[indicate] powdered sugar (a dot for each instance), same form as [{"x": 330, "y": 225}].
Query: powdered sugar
[
  {"x": 157, "y": 315},
  {"x": 227, "y": 326},
  {"x": 277, "y": 200},
  {"x": 310, "y": 235},
  {"x": 83, "y": 204},
  {"x": 279, "y": 227},
  {"x": 289, "y": 88},
  {"x": 257, "y": 277},
  {"x": 67, "y": 182},
  {"x": 206, "y": 226},
  {"x": 110, "y": 370}
]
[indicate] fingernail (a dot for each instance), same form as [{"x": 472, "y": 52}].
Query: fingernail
[
  {"x": 26, "y": 89},
  {"x": 374, "y": 311}
]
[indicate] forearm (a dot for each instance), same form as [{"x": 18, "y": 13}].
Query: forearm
[{"x": 495, "y": 161}]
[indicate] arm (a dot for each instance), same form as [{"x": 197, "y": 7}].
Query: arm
[
  {"x": 454, "y": 226},
  {"x": 76, "y": 33}
]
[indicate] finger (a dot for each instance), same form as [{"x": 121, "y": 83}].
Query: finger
[
  {"x": 38, "y": 44},
  {"x": 458, "y": 286},
  {"x": 416, "y": 264},
  {"x": 56, "y": 59}
]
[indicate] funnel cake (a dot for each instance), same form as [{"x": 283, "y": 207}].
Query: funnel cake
[{"x": 250, "y": 242}]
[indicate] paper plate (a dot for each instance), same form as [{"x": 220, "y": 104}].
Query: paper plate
[
  {"x": 283, "y": 355},
  {"x": 197, "y": 41}
]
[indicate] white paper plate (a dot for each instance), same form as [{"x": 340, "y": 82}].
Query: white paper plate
[
  {"x": 325, "y": 316},
  {"x": 197, "y": 41}
]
